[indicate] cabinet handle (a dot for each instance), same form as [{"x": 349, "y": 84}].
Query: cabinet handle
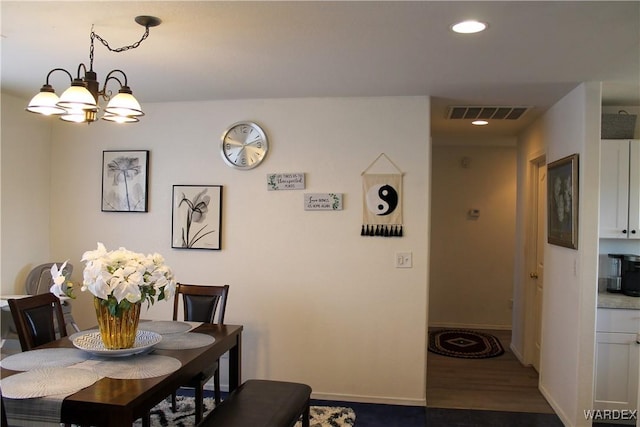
[
  {"x": 633, "y": 231},
  {"x": 624, "y": 231}
]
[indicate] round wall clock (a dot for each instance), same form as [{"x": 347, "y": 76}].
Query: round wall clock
[{"x": 244, "y": 145}]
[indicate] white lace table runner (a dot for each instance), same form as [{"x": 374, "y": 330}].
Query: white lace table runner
[
  {"x": 184, "y": 341},
  {"x": 40, "y": 412}
]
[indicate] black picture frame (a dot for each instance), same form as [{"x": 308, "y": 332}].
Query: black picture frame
[
  {"x": 562, "y": 202},
  {"x": 125, "y": 181},
  {"x": 196, "y": 217}
]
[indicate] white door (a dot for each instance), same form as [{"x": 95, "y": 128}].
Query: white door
[{"x": 538, "y": 274}]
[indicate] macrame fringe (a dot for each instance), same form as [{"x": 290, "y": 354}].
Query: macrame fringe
[{"x": 381, "y": 230}]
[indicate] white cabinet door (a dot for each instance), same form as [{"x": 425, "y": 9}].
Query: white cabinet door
[
  {"x": 634, "y": 189},
  {"x": 616, "y": 380},
  {"x": 614, "y": 188}
]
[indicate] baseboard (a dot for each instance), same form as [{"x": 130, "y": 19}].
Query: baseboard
[
  {"x": 349, "y": 398},
  {"x": 369, "y": 399},
  {"x": 556, "y": 408},
  {"x": 469, "y": 326},
  {"x": 518, "y": 355}
]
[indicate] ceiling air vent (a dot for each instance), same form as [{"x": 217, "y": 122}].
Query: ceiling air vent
[{"x": 487, "y": 113}]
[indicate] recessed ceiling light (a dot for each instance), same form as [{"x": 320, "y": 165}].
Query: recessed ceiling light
[
  {"x": 469, "y": 27},
  {"x": 479, "y": 122}
]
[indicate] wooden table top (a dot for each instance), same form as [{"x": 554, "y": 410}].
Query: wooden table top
[{"x": 117, "y": 402}]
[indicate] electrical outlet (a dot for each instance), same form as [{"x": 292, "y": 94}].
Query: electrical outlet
[{"x": 404, "y": 260}]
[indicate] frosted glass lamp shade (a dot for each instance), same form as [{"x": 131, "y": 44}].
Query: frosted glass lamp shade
[
  {"x": 124, "y": 104},
  {"x": 77, "y": 97},
  {"x": 119, "y": 119},
  {"x": 79, "y": 116},
  {"x": 45, "y": 102}
]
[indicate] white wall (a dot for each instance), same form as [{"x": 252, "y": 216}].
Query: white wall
[
  {"x": 570, "y": 276},
  {"x": 319, "y": 303},
  {"x": 471, "y": 274},
  {"x": 26, "y": 175}
]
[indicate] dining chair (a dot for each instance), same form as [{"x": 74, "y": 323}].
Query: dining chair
[
  {"x": 36, "y": 318},
  {"x": 200, "y": 303},
  {"x": 39, "y": 281}
]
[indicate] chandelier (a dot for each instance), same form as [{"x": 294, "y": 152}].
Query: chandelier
[{"x": 79, "y": 103}]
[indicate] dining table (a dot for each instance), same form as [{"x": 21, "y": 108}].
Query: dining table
[{"x": 115, "y": 399}]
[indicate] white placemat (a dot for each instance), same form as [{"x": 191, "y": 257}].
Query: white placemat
[
  {"x": 43, "y": 358},
  {"x": 184, "y": 341},
  {"x": 132, "y": 367},
  {"x": 46, "y": 382},
  {"x": 164, "y": 326}
]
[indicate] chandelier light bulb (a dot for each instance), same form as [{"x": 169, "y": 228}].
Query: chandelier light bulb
[{"x": 75, "y": 116}]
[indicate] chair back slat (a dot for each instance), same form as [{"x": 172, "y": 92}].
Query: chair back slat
[
  {"x": 41, "y": 325},
  {"x": 37, "y": 318},
  {"x": 200, "y": 303}
]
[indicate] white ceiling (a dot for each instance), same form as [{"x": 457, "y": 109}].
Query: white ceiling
[{"x": 532, "y": 54}]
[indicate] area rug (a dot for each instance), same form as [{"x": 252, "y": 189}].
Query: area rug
[
  {"x": 464, "y": 343},
  {"x": 163, "y": 416}
]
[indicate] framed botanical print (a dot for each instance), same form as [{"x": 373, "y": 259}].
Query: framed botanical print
[
  {"x": 196, "y": 217},
  {"x": 562, "y": 202},
  {"x": 125, "y": 181}
]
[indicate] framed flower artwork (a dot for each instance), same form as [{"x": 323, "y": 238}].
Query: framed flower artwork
[
  {"x": 196, "y": 217},
  {"x": 562, "y": 202},
  {"x": 125, "y": 181}
]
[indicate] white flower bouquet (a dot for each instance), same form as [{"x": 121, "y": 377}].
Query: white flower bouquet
[{"x": 121, "y": 278}]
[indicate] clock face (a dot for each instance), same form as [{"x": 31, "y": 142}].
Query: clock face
[{"x": 244, "y": 145}]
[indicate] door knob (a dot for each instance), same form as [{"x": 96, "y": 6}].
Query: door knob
[{"x": 533, "y": 275}]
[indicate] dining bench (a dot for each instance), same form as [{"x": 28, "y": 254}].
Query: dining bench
[{"x": 262, "y": 403}]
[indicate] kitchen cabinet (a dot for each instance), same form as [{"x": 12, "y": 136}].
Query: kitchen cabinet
[
  {"x": 620, "y": 189},
  {"x": 617, "y": 359}
]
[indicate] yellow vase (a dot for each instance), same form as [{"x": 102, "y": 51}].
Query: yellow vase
[{"x": 117, "y": 332}]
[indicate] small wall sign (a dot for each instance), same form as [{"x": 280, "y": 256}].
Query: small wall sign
[
  {"x": 285, "y": 181},
  {"x": 323, "y": 202}
]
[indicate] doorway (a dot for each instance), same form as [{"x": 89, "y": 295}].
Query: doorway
[
  {"x": 535, "y": 262},
  {"x": 466, "y": 248}
]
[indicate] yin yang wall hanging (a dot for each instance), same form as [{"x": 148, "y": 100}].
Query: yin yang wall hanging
[{"x": 382, "y": 202}]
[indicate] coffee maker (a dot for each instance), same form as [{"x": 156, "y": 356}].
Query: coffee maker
[
  {"x": 631, "y": 275},
  {"x": 614, "y": 279}
]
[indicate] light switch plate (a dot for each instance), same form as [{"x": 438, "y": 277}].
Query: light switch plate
[{"x": 404, "y": 260}]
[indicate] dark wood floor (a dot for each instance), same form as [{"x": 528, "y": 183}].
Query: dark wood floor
[{"x": 496, "y": 384}]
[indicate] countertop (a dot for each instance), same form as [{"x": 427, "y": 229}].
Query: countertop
[{"x": 613, "y": 300}]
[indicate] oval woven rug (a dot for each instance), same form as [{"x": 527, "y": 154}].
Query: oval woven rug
[{"x": 464, "y": 343}]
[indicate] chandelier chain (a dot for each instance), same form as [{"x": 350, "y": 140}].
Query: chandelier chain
[{"x": 119, "y": 49}]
